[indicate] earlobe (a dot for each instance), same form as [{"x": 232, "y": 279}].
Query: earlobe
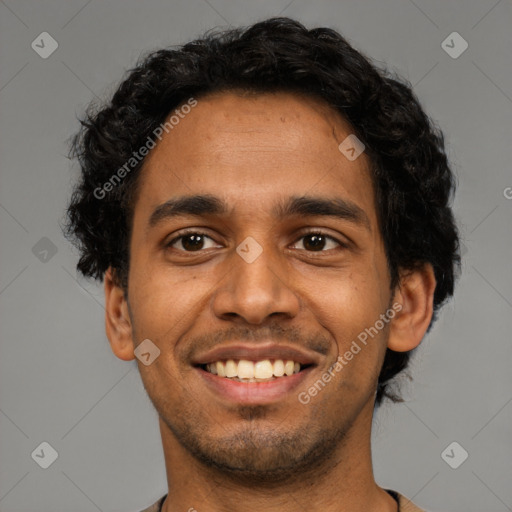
[
  {"x": 117, "y": 319},
  {"x": 415, "y": 295}
]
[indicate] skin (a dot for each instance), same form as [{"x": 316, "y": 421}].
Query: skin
[{"x": 253, "y": 151}]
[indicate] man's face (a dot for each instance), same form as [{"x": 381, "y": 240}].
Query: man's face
[{"x": 253, "y": 284}]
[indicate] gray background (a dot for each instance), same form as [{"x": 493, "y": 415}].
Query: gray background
[{"x": 59, "y": 381}]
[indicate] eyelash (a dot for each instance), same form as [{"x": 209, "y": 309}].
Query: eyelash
[{"x": 183, "y": 234}]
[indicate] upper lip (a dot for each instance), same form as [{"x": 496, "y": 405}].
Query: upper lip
[{"x": 256, "y": 353}]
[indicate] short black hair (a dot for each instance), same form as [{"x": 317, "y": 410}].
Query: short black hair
[{"x": 413, "y": 183}]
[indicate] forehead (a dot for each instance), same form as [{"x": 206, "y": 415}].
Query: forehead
[{"x": 251, "y": 149}]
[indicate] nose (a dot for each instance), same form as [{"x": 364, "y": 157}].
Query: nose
[{"x": 254, "y": 291}]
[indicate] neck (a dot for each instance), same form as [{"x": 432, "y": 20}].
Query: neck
[{"x": 340, "y": 483}]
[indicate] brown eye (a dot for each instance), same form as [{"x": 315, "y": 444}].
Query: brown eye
[
  {"x": 317, "y": 242},
  {"x": 314, "y": 242},
  {"x": 190, "y": 242}
]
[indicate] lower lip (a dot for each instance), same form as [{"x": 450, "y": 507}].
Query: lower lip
[{"x": 254, "y": 392}]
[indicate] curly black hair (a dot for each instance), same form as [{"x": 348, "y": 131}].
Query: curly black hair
[{"x": 413, "y": 183}]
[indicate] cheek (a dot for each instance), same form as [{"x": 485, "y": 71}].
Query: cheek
[
  {"x": 345, "y": 305},
  {"x": 165, "y": 303},
  {"x": 348, "y": 309}
]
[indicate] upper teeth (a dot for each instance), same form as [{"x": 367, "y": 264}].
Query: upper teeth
[{"x": 244, "y": 369}]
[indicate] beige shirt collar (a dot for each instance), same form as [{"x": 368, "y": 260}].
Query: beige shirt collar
[{"x": 406, "y": 505}]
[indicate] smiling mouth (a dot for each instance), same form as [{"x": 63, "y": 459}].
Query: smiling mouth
[{"x": 243, "y": 370}]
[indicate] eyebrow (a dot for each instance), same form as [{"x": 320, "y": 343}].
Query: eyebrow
[
  {"x": 310, "y": 206},
  {"x": 197, "y": 206},
  {"x": 303, "y": 206}
]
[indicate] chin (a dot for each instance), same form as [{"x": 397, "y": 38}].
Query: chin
[{"x": 258, "y": 454}]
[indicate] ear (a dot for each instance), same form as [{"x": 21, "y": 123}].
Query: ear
[
  {"x": 118, "y": 325},
  {"x": 413, "y": 302}
]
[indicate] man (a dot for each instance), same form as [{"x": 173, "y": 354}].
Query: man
[{"x": 270, "y": 215}]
